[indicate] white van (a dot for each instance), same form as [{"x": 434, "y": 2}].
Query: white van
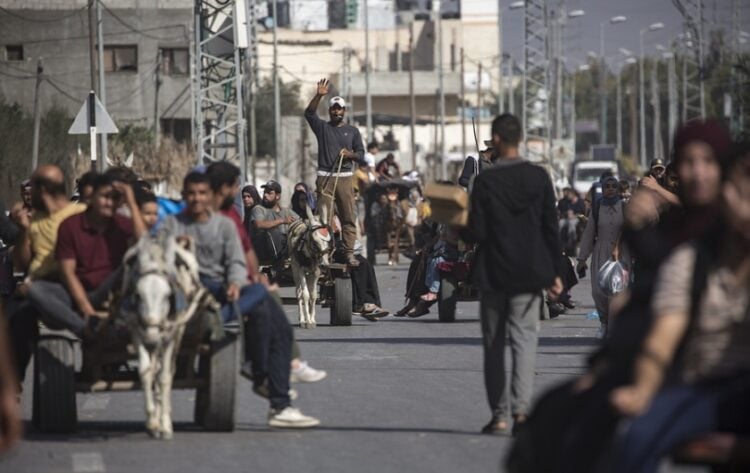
[{"x": 585, "y": 173}]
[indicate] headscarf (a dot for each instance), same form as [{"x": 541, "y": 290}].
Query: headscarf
[
  {"x": 712, "y": 132},
  {"x": 310, "y": 196},
  {"x": 247, "y": 220},
  {"x": 296, "y": 206},
  {"x": 610, "y": 201}
]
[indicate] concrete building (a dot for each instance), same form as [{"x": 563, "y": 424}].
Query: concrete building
[
  {"x": 139, "y": 32},
  {"x": 136, "y": 34}
]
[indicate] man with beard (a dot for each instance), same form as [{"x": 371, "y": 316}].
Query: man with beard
[
  {"x": 338, "y": 145},
  {"x": 272, "y": 223}
]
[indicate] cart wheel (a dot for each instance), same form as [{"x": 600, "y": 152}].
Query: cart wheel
[
  {"x": 447, "y": 300},
  {"x": 54, "y": 403},
  {"x": 214, "y": 402},
  {"x": 341, "y": 308}
]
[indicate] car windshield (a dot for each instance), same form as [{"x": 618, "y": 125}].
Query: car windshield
[{"x": 590, "y": 174}]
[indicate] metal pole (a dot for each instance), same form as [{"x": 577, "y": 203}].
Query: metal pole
[
  {"x": 511, "y": 89},
  {"x": 441, "y": 94},
  {"x": 156, "y": 98},
  {"x": 276, "y": 96},
  {"x": 199, "y": 128},
  {"x": 619, "y": 111},
  {"x": 37, "y": 115},
  {"x": 479, "y": 98},
  {"x": 102, "y": 83},
  {"x": 412, "y": 99},
  {"x": 642, "y": 100},
  {"x": 573, "y": 112},
  {"x": 92, "y": 65},
  {"x": 672, "y": 84},
  {"x": 602, "y": 87},
  {"x": 463, "y": 107},
  {"x": 92, "y": 128},
  {"x": 557, "y": 35},
  {"x": 368, "y": 96},
  {"x": 656, "y": 121},
  {"x": 500, "y": 93},
  {"x": 240, "y": 131}
]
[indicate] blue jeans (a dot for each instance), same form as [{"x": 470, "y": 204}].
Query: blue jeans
[
  {"x": 677, "y": 414},
  {"x": 268, "y": 336},
  {"x": 432, "y": 274}
]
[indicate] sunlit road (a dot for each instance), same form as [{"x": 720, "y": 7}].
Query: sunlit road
[{"x": 401, "y": 395}]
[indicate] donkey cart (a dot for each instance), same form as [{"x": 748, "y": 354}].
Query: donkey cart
[{"x": 63, "y": 366}]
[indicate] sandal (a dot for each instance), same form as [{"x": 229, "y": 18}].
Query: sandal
[
  {"x": 495, "y": 427},
  {"x": 518, "y": 421}
]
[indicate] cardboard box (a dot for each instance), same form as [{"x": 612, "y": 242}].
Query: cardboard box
[{"x": 449, "y": 204}]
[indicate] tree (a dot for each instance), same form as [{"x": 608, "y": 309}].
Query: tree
[{"x": 290, "y": 105}]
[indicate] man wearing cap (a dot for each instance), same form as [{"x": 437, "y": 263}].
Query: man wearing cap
[
  {"x": 657, "y": 169},
  {"x": 473, "y": 166},
  {"x": 338, "y": 145},
  {"x": 272, "y": 223}
]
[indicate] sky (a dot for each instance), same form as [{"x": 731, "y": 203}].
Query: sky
[{"x": 582, "y": 34}]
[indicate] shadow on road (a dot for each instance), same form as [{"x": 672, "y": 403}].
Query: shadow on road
[{"x": 333, "y": 428}]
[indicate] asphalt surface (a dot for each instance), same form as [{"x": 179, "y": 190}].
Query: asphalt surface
[{"x": 401, "y": 395}]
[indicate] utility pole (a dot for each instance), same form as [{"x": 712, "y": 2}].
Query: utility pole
[
  {"x": 102, "y": 84},
  {"x": 655, "y": 103},
  {"x": 463, "y": 107},
  {"x": 412, "y": 98},
  {"x": 672, "y": 90},
  {"x": 441, "y": 90},
  {"x": 92, "y": 60},
  {"x": 368, "y": 96},
  {"x": 501, "y": 85},
  {"x": 276, "y": 95},
  {"x": 619, "y": 111},
  {"x": 479, "y": 97},
  {"x": 37, "y": 115},
  {"x": 253, "y": 86},
  {"x": 157, "y": 84}
]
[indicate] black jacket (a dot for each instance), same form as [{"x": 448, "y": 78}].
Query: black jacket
[
  {"x": 514, "y": 220},
  {"x": 470, "y": 168},
  {"x": 8, "y": 230}
]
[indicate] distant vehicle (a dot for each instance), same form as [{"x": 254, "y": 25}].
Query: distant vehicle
[
  {"x": 585, "y": 173},
  {"x": 603, "y": 152}
]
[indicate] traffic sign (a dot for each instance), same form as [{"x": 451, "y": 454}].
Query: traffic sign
[{"x": 101, "y": 120}]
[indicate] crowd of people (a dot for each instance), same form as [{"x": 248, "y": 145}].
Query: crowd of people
[{"x": 674, "y": 358}]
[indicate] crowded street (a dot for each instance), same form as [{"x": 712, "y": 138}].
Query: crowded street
[{"x": 400, "y": 394}]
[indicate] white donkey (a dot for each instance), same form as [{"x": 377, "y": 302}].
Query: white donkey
[
  {"x": 309, "y": 245},
  {"x": 161, "y": 293}
]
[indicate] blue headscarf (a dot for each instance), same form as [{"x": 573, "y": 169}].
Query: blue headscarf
[
  {"x": 610, "y": 201},
  {"x": 310, "y": 196}
]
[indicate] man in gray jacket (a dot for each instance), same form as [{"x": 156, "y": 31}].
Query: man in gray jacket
[{"x": 223, "y": 272}]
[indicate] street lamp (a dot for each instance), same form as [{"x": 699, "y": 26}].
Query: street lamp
[
  {"x": 651, "y": 28},
  {"x": 559, "y": 57},
  {"x": 517, "y": 5},
  {"x": 603, "y": 77},
  {"x": 629, "y": 59}
]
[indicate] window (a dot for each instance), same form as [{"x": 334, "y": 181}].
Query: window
[
  {"x": 178, "y": 128},
  {"x": 14, "y": 52},
  {"x": 175, "y": 61},
  {"x": 120, "y": 58}
]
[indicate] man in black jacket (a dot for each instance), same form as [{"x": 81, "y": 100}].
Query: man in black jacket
[{"x": 514, "y": 220}]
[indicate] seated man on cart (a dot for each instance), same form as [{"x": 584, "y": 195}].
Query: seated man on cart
[{"x": 272, "y": 225}]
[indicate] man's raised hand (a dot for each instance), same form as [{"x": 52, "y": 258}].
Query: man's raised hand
[{"x": 324, "y": 86}]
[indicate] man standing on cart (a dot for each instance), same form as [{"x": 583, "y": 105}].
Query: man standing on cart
[{"x": 339, "y": 144}]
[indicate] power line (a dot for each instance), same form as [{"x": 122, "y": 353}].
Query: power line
[
  {"x": 37, "y": 20},
  {"x": 59, "y": 89},
  {"x": 134, "y": 29}
]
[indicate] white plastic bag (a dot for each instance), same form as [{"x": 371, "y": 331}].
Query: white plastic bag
[{"x": 613, "y": 277}]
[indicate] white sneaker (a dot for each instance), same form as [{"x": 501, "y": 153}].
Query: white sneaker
[
  {"x": 602, "y": 332},
  {"x": 291, "y": 418},
  {"x": 306, "y": 374}
]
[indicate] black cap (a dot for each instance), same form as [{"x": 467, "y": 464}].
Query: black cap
[
  {"x": 272, "y": 186},
  {"x": 657, "y": 163}
]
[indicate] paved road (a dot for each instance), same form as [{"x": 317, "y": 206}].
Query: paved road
[{"x": 401, "y": 395}]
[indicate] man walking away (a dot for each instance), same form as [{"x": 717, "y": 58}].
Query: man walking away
[
  {"x": 514, "y": 220},
  {"x": 338, "y": 145}
]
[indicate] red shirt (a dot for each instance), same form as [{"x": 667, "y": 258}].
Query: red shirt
[
  {"x": 97, "y": 254},
  {"x": 247, "y": 243}
]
